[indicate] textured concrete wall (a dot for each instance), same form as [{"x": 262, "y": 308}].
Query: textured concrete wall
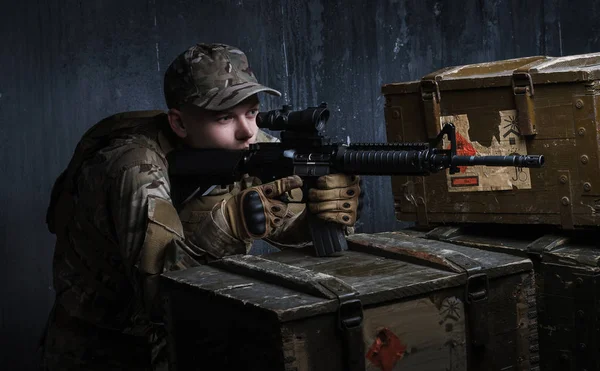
[{"x": 66, "y": 64}]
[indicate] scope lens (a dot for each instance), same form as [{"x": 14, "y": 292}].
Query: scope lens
[
  {"x": 320, "y": 124},
  {"x": 323, "y": 116}
]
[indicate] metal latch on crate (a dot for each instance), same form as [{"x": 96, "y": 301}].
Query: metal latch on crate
[
  {"x": 431, "y": 97},
  {"x": 523, "y": 91},
  {"x": 349, "y": 313},
  {"x": 476, "y": 299},
  {"x": 350, "y": 324},
  {"x": 477, "y": 303},
  {"x": 350, "y": 321}
]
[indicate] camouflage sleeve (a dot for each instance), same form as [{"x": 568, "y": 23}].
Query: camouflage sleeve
[
  {"x": 213, "y": 235},
  {"x": 205, "y": 225},
  {"x": 129, "y": 205},
  {"x": 203, "y": 240}
]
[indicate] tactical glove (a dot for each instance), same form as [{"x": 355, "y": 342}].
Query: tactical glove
[
  {"x": 336, "y": 198},
  {"x": 256, "y": 212}
]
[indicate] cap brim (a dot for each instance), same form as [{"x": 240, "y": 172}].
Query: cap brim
[{"x": 233, "y": 95}]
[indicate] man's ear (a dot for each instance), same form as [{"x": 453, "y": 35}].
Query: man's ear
[{"x": 176, "y": 122}]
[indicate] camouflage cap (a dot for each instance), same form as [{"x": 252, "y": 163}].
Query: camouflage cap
[{"x": 211, "y": 76}]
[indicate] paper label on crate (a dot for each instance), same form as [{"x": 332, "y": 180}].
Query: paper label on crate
[{"x": 488, "y": 178}]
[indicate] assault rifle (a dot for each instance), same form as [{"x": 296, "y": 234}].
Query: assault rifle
[{"x": 306, "y": 152}]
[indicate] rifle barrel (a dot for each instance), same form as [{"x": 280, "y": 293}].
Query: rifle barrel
[
  {"x": 534, "y": 161},
  {"x": 390, "y": 161}
]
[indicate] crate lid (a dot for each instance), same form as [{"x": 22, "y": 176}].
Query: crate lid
[
  {"x": 542, "y": 69},
  {"x": 575, "y": 248},
  {"x": 581, "y": 67},
  {"x": 293, "y": 284}
]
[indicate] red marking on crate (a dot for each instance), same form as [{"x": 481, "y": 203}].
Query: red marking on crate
[
  {"x": 464, "y": 181},
  {"x": 464, "y": 148},
  {"x": 386, "y": 350}
]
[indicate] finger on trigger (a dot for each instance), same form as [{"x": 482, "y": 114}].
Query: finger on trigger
[
  {"x": 332, "y": 181},
  {"x": 281, "y": 186}
]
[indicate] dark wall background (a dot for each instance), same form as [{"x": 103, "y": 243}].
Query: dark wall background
[{"x": 65, "y": 64}]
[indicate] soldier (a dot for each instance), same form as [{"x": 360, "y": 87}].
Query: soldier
[{"x": 117, "y": 229}]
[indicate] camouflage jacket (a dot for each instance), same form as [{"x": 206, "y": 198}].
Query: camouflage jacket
[{"x": 116, "y": 232}]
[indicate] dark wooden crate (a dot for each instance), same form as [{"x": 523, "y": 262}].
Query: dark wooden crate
[
  {"x": 567, "y": 270},
  {"x": 536, "y": 105},
  {"x": 278, "y": 313}
]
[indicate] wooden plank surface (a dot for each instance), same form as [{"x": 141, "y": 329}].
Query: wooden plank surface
[
  {"x": 376, "y": 279},
  {"x": 287, "y": 304}
]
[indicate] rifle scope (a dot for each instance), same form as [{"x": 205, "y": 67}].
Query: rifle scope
[{"x": 311, "y": 119}]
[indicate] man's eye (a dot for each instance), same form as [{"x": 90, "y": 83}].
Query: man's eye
[
  {"x": 253, "y": 112},
  {"x": 224, "y": 118}
]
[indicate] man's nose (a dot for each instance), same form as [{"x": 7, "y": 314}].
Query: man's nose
[{"x": 245, "y": 129}]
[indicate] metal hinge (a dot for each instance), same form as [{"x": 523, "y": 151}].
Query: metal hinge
[
  {"x": 565, "y": 200},
  {"x": 421, "y": 203},
  {"x": 431, "y": 97},
  {"x": 523, "y": 92}
]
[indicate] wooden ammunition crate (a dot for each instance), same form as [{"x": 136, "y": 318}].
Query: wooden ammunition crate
[
  {"x": 567, "y": 267},
  {"x": 537, "y": 105},
  {"x": 392, "y": 302}
]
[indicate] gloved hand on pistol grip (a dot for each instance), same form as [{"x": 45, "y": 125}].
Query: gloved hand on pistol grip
[
  {"x": 336, "y": 198},
  {"x": 255, "y": 212}
]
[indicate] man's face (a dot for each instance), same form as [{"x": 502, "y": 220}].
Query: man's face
[{"x": 234, "y": 128}]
